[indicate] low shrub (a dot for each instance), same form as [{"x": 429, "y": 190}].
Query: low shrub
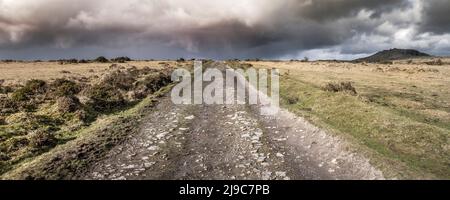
[
  {"x": 340, "y": 87},
  {"x": 5, "y": 89},
  {"x": 65, "y": 72},
  {"x": 105, "y": 97},
  {"x": 101, "y": 59},
  {"x": 119, "y": 79},
  {"x": 435, "y": 62},
  {"x": 67, "y": 61},
  {"x": 2, "y": 121},
  {"x": 32, "y": 87},
  {"x": 121, "y": 59},
  {"x": 40, "y": 139},
  {"x": 7, "y": 105},
  {"x": 386, "y": 62},
  {"x": 154, "y": 82},
  {"x": 292, "y": 99},
  {"x": 14, "y": 144},
  {"x": 4, "y": 156},
  {"x": 68, "y": 104},
  {"x": 64, "y": 87}
]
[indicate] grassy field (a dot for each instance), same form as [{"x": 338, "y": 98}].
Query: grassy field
[
  {"x": 399, "y": 115},
  {"x": 44, "y": 105},
  {"x": 19, "y": 72}
]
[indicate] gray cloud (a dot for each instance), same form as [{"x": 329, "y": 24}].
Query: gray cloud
[
  {"x": 218, "y": 29},
  {"x": 436, "y": 16}
]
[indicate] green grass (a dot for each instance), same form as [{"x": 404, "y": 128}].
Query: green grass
[{"x": 402, "y": 137}]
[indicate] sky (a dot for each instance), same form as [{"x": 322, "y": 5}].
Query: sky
[{"x": 220, "y": 29}]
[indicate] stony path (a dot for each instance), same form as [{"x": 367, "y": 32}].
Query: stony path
[{"x": 229, "y": 142}]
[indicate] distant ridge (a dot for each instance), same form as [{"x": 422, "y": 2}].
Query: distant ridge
[{"x": 393, "y": 54}]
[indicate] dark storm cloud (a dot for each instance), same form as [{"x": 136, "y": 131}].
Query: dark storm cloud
[
  {"x": 296, "y": 25},
  {"x": 235, "y": 39},
  {"x": 436, "y": 16},
  {"x": 217, "y": 29},
  {"x": 334, "y": 9}
]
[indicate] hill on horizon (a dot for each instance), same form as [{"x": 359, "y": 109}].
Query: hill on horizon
[{"x": 393, "y": 54}]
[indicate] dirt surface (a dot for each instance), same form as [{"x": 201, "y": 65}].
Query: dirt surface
[{"x": 229, "y": 142}]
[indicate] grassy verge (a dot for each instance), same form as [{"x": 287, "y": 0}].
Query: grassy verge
[
  {"x": 69, "y": 160},
  {"x": 398, "y": 121}
]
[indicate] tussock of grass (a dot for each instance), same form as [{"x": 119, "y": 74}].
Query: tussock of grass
[{"x": 340, "y": 87}]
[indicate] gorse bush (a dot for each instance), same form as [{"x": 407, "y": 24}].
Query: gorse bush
[
  {"x": 64, "y": 87},
  {"x": 292, "y": 99},
  {"x": 101, "y": 59},
  {"x": 42, "y": 139},
  {"x": 68, "y": 104},
  {"x": 4, "y": 89},
  {"x": 435, "y": 62},
  {"x": 340, "y": 87},
  {"x": 105, "y": 97},
  {"x": 121, "y": 59},
  {"x": 14, "y": 144},
  {"x": 32, "y": 87},
  {"x": 119, "y": 79}
]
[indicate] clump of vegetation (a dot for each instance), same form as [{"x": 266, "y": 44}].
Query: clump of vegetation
[
  {"x": 14, "y": 144},
  {"x": 101, "y": 59},
  {"x": 63, "y": 87},
  {"x": 119, "y": 79},
  {"x": 41, "y": 139},
  {"x": 7, "y": 105},
  {"x": 2, "y": 121},
  {"x": 238, "y": 64},
  {"x": 65, "y": 72},
  {"x": 340, "y": 87},
  {"x": 8, "y": 61},
  {"x": 67, "y": 61},
  {"x": 386, "y": 62},
  {"x": 105, "y": 97},
  {"x": 32, "y": 87},
  {"x": 181, "y": 60},
  {"x": 5, "y": 89},
  {"x": 4, "y": 157},
  {"x": 155, "y": 82},
  {"x": 435, "y": 62},
  {"x": 292, "y": 99},
  {"x": 68, "y": 104},
  {"x": 121, "y": 59}
]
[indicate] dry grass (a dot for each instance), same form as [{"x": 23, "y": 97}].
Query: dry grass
[
  {"x": 400, "y": 113},
  {"x": 19, "y": 72}
]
